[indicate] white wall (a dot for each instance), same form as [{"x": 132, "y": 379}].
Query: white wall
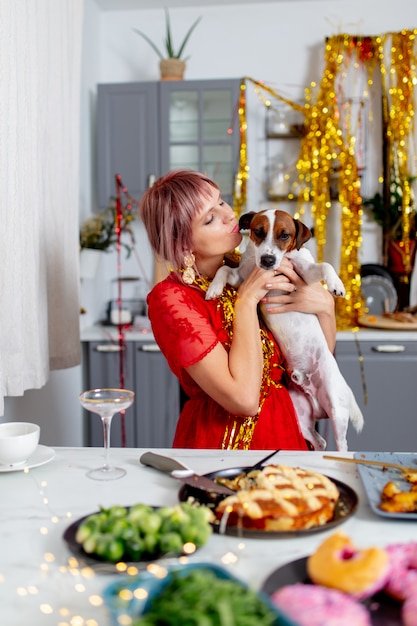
[{"x": 280, "y": 43}]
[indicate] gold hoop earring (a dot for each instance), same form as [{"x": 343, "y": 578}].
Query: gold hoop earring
[{"x": 188, "y": 275}]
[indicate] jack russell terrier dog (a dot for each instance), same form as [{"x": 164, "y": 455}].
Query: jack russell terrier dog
[{"x": 318, "y": 389}]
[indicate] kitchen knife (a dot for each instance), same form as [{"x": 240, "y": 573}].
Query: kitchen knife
[{"x": 183, "y": 473}]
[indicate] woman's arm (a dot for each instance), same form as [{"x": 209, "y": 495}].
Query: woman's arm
[{"x": 234, "y": 379}]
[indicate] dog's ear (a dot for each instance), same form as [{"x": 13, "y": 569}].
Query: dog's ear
[
  {"x": 245, "y": 220},
  {"x": 303, "y": 233}
]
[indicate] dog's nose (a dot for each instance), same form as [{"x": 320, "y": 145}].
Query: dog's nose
[{"x": 267, "y": 261}]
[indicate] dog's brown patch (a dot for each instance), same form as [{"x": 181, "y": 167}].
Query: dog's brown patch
[
  {"x": 259, "y": 228},
  {"x": 288, "y": 233},
  {"x": 285, "y": 231}
]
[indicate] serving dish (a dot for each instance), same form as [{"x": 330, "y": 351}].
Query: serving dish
[
  {"x": 345, "y": 508},
  {"x": 379, "y": 293},
  {"x": 42, "y": 455},
  {"x": 383, "y": 610},
  {"x": 130, "y": 598},
  {"x": 385, "y": 323},
  {"x": 157, "y": 552},
  {"x": 374, "y": 478}
]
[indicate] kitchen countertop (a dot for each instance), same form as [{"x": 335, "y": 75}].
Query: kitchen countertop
[
  {"x": 143, "y": 333},
  {"x": 100, "y": 332},
  {"x": 41, "y": 585},
  {"x": 376, "y": 334}
]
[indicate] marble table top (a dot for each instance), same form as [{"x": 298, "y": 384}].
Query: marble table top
[{"x": 39, "y": 583}]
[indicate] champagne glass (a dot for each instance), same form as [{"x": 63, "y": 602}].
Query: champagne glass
[{"x": 106, "y": 403}]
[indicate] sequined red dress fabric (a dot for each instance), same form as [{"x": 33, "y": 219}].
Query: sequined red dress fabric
[{"x": 186, "y": 328}]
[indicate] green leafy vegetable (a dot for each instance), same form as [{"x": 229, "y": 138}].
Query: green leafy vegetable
[{"x": 200, "y": 598}]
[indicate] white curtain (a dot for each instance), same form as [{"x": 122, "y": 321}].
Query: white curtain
[{"x": 40, "y": 80}]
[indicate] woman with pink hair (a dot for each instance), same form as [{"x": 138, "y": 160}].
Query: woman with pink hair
[{"x": 227, "y": 362}]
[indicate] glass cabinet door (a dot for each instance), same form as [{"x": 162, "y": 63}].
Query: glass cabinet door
[{"x": 197, "y": 118}]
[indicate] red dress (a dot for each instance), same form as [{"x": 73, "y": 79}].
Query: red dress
[{"x": 186, "y": 327}]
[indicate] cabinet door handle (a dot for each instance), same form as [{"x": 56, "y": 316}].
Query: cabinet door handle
[
  {"x": 149, "y": 347},
  {"x": 389, "y": 347},
  {"x": 109, "y": 347}
]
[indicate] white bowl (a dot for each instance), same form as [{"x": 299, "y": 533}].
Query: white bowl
[{"x": 18, "y": 441}]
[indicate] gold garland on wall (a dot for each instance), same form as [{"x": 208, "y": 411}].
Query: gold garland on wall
[
  {"x": 398, "y": 63},
  {"x": 329, "y": 150},
  {"x": 240, "y": 188},
  {"x": 322, "y": 144},
  {"x": 328, "y": 146}
]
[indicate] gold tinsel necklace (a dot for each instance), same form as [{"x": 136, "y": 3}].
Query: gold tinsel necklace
[{"x": 239, "y": 431}]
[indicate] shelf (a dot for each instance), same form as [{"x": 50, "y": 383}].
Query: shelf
[{"x": 297, "y": 133}]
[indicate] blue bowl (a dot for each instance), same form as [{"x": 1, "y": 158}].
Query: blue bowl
[{"x": 129, "y": 598}]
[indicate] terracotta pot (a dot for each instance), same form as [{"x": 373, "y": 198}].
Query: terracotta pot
[{"x": 172, "y": 69}]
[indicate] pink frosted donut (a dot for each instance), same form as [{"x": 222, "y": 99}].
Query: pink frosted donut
[
  {"x": 409, "y": 608},
  {"x": 403, "y": 566},
  {"x": 312, "y": 605}
]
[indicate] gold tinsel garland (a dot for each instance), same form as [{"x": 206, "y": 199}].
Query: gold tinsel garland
[
  {"x": 240, "y": 190},
  {"x": 399, "y": 79},
  {"x": 322, "y": 144},
  {"x": 328, "y": 148}
]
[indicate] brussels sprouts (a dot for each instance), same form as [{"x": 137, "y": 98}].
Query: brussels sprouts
[
  {"x": 171, "y": 542},
  {"x": 142, "y": 531}
]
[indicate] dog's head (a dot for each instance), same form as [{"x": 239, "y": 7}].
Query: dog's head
[{"x": 273, "y": 233}]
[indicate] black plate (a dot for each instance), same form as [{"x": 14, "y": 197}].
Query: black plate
[
  {"x": 371, "y": 269},
  {"x": 383, "y": 610},
  {"x": 78, "y": 551},
  {"x": 345, "y": 507}
]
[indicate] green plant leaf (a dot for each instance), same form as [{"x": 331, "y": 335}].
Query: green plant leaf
[
  {"x": 180, "y": 51},
  {"x": 168, "y": 41},
  {"x": 150, "y": 42}
]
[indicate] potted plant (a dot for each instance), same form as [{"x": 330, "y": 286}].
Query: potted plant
[
  {"x": 389, "y": 215},
  {"x": 172, "y": 65}
]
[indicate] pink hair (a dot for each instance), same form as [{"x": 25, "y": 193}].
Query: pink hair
[{"x": 167, "y": 210}]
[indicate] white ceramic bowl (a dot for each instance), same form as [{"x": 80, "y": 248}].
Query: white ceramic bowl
[{"x": 18, "y": 441}]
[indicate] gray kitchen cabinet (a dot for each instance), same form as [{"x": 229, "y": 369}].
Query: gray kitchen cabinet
[
  {"x": 146, "y": 129},
  {"x": 158, "y": 398},
  {"x": 386, "y": 392},
  {"x": 127, "y": 138},
  {"x": 197, "y": 118},
  {"x": 102, "y": 369},
  {"x": 151, "y": 420}
]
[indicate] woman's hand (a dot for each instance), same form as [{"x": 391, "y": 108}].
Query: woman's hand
[
  {"x": 260, "y": 282},
  {"x": 233, "y": 379},
  {"x": 304, "y": 298}
]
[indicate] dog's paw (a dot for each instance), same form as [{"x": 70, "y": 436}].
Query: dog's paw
[
  {"x": 336, "y": 287},
  {"x": 223, "y": 275},
  {"x": 214, "y": 290}
]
